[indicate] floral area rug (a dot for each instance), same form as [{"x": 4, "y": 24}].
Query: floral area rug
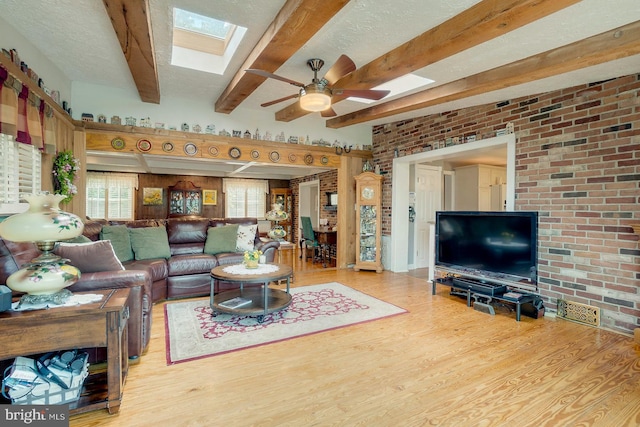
[{"x": 192, "y": 333}]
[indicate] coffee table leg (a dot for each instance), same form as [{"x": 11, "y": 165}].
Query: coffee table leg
[{"x": 265, "y": 294}]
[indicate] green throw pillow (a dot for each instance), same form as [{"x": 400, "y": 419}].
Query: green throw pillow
[
  {"x": 221, "y": 239},
  {"x": 150, "y": 242},
  {"x": 119, "y": 237},
  {"x": 80, "y": 239}
]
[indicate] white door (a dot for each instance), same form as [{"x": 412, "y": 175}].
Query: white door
[{"x": 428, "y": 188}]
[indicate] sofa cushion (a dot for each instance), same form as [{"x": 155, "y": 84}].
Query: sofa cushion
[
  {"x": 120, "y": 240},
  {"x": 184, "y": 265},
  {"x": 157, "y": 268},
  {"x": 187, "y": 230},
  {"x": 221, "y": 239},
  {"x": 150, "y": 243},
  {"x": 187, "y": 236},
  {"x": 90, "y": 257},
  {"x": 246, "y": 237},
  {"x": 230, "y": 258}
]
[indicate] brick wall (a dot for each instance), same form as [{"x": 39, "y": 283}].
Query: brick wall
[{"x": 578, "y": 165}]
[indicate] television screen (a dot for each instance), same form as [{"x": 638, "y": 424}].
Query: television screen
[{"x": 488, "y": 243}]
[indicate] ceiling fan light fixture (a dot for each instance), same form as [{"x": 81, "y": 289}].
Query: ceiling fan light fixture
[{"x": 313, "y": 98}]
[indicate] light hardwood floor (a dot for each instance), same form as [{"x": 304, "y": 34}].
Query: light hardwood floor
[{"x": 441, "y": 364}]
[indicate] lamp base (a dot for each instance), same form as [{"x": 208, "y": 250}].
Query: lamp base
[
  {"x": 57, "y": 298},
  {"x": 45, "y": 275}
]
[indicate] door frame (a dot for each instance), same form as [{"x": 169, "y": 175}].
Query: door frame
[{"x": 399, "y": 250}]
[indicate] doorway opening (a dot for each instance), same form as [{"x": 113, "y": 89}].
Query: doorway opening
[
  {"x": 396, "y": 257},
  {"x": 308, "y": 205}
]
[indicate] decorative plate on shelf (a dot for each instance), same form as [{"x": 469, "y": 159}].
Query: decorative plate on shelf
[
  {"x": 213, "y": 151},
  {"x": 234, "y": 152},
  {"x": 324, "y": 160},
  {"x": 167, "y": 147},
  {"x": 190, "y": 149},
  {"x": 292, "y": 158},
  {"x": 274, "y": 156},
  {"x": 255, "y": 154},
  {"x": 308, "y": 159},
  {"x": 143, "y": 145},
  {"x": 118, "y": 143}
]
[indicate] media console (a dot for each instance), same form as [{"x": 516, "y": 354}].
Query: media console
[{"x": 485, "y": 291}]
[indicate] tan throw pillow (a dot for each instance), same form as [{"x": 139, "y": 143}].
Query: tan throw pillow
[{"x": 90, "y": 257}]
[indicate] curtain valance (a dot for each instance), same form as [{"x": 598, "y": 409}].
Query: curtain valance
[{"x": 23, "y": 114}]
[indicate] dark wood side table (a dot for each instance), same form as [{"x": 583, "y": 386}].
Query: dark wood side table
[
  {"x": 327, "y": 239},
  {"x": 97, "y": 324}
]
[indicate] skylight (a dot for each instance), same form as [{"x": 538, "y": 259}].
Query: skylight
[
  {"x": 203, "y": 43},
  {"x": 201, "y": 24},
  {"x": 398, "y": 86}
]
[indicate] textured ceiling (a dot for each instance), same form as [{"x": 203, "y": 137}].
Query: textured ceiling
[{"x": 78, "y": 37}]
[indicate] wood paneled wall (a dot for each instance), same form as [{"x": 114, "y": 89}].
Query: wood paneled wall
[{"x": 204, "y": 182}]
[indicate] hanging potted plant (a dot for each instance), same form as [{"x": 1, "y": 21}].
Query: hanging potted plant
[{"x": 65, "y": 167}]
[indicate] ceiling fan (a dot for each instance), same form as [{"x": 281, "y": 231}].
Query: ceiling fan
[{"x": 316, "y": 96}]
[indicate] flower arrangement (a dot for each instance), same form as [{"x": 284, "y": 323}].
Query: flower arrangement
[
  {"x": 64, "y": 171},
  {"x": 251, "y": 259},
  {"x": 252, "y": 255}
]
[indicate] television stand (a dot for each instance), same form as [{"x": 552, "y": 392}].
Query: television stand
[{"x": 486, "y": 292}]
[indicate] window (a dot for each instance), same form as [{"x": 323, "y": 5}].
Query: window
[
  {"x": 20, "y": 172},
  {"x": 245, "y": 197},
  {"x": 203, "y": 43},
  {"x": 111, "y": 195}
]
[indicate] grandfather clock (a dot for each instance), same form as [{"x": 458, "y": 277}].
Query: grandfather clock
[{"x": 368, "y": 222}]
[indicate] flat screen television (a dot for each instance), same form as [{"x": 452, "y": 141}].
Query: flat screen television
[{"x": 491, "y": 245}]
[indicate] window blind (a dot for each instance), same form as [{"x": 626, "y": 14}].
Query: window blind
[
  {"x": 245, "y": 197},
  {"x": 20, "y": 172},
  {"x": 111, "y": 195}
]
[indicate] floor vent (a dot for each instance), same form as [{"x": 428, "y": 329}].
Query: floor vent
[{"x": 582, "y": 313}]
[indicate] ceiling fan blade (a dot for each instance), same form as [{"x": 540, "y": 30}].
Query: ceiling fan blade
[
  {"x": 275, "y": 101},
  {"x": 343, "y": 66},
  {"x": 329, "y": 112},
  {"x": 274, "y": 76},
  {"x": 362, "y": 93}
]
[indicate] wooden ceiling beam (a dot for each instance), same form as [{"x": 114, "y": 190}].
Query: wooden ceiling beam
[
  {"x": 482, "y": 22},
  {"x": 132, "y": 24},
  {"x": 295, "y": 24},
  {"x": 611, "y": 45}
]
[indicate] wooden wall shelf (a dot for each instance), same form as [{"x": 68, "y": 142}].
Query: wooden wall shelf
[{"x": 101, "y": 136}]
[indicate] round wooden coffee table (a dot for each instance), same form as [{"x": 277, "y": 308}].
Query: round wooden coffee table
[{"x": 253, "y": 301}]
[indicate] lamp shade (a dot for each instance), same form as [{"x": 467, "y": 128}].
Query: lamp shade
[
  {"x": 42, "y": 222},
  {"x": 315, "y": 98},
  {"x": 276, "y": 213}
]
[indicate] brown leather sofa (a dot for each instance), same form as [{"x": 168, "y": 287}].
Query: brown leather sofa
[
  {"x": 186, "y": 273},
  {"x": 13, "y": 255}
]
